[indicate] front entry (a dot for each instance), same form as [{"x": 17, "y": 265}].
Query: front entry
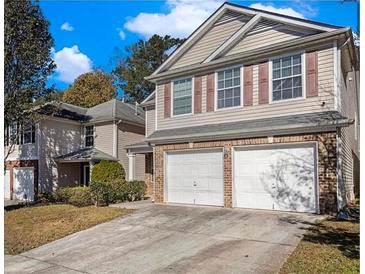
[
  {"x": 86, "y": 175},
  {"x": 195, "y": 177}
]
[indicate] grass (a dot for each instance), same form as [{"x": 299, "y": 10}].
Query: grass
[
  {"x": 30, "y": 227},
  {"x": 330, "y": 246}
]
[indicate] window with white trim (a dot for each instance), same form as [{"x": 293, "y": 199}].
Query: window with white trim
[
  {"x": 182, "y": 96},
  {"x": 27, "y": 135},
  {"x": 89, "y": 136},
  {"x": 229, "y": 88},
  {"x": 287, "y": 78}
]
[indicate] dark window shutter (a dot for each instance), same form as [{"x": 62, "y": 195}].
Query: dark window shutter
[
  {"x": 264, "y": 83},
  {"x": 210, "y": 92},
  {"x": 248, "y": 86},
  {"x": 312, "y": 74},
  {"x": 167, "y": 100},
  {"x": 197, "y": 94}
]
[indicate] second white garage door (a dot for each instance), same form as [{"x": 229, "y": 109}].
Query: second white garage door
[
  {"x": 276, "y": 178},
  {"x": 195, "y": 178},
  {"x": 23, "y": 188}
]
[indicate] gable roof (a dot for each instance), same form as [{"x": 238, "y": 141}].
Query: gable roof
[
  {"x": 110, "y": 110},
  {"x": 253, "y": 13}
]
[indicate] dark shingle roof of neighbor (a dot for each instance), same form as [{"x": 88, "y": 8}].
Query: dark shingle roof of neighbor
[
  {"x": 85, "y": 154},
  {"x": 252, "y": 128},
  {"x": 111, "y": 110}
]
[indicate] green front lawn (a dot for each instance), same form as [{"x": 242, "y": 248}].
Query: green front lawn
[
  {"x": 330, "y": 246},
  {"x": 30, "y": 227}
]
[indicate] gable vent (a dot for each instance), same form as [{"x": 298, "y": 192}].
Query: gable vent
[
  {"x": 264, "y": 25},
  {"x": 232, "y": 15}
]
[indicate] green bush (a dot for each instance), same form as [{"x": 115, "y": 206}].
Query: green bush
[
  {"x": 101, "y": 193},
  {"x": 77, "y": 196},
  {"x": 45, "y": 198},
  {"x": 117, "y": 191},
  {"x": 135, "y": 190},
  {"x": 107, "y": 171}
]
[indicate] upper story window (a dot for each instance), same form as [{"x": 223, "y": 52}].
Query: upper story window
[
  {"x": 287, "y": 78},
  {"x": 27, "y": 135},
  {"x": 182, "y": 96},
  {"x": 20, "y": 135},
  {"x": 229, "y": 88},
  {"x": 89, "y": 136}
]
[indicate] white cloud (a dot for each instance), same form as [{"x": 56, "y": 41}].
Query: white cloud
[
  {"x": 71, "y": 63},
  {"x": 285, "y": 11},
  {"x": 121, "y": 34},
  {"x": 67, "y": 27},
  {"x": 183, "y": 18}
]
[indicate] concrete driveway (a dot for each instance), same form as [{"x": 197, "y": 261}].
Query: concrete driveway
[{"x": 173, "y": 239}]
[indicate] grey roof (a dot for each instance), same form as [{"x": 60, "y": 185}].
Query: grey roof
[
  {"x": 85, "y": 154},
  {"x": 140, "y": 147},
  {"x": 310, "y": 122},
  {"x": 111, "y": 110},
  {"x": 115, "y": 109}
]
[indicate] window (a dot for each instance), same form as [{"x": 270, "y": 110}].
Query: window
[
  {"x": 229, "y": 88},
  {"x": 19, "y": 135},
  {"x": 287, "y": 78},
  {"x": 28, "y": 135},
  {"x": 89, "y": 136},
  {"x": 182, "y": 96}
]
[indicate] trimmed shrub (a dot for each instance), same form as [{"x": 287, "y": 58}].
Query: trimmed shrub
[
  {"x": 77, "y": 196},
  {"x": 107, "y": 171},
  {"x": 101, "y": 193},
  {"x": 135, "y": 190},
  {"x": 45, "y": 198}
]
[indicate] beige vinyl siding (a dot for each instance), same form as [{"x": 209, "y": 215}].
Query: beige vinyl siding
[
  {"x": 265, "y": 37},
  {"x": 256, "y": 111},
  {"x": 104, "y": 137},
  {"x": 127, "y": 135},
  {"x": 21, "y": 152},
  {"x": 218, "y": 34},
  {"x": 58, "y": 137},
  {"x": 349, "y": 143},
  {"x": 150, "y": 120}
]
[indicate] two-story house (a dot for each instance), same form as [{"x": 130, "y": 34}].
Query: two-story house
[
  {"x": 256, "y": 110},
  {"x": 66, "y": 141}
]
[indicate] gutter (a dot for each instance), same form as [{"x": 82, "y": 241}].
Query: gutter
[{"x": 250, "y": 56}]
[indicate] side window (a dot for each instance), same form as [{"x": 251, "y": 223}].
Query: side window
[
  {"x": 229, "y": 88},
  {"x": 287, "y": 78},
  {"x": 89, "y": 136},
  {"x": 182, "y": 96}
]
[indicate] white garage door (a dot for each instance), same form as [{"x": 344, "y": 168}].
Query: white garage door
[
  {"x": 276, "y": 178},
  {"x": 7, "y": 184},
  {"x": 195, "y": 178},
  {"x": 23, "y": 183}
]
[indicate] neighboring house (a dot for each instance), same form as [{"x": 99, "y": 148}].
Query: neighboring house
[
  {"x": 256, "y": 110},
  {"x": 61, "y": 148}
]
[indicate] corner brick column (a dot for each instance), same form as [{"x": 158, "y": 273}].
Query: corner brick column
[
  {"x": 227, "y": 175},
  {"x": 159, "y": 174}
]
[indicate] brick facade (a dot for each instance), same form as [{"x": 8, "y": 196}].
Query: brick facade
[
  {"x": 10, "y": 165},
  {"x": 327, "y": 164},
  {"x": 148, "y": 177}
]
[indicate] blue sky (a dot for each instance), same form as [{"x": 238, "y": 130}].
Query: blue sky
[{"x": 87, "y": 33}]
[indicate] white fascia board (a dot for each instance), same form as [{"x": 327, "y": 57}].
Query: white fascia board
[
  {"x": 234, "y": 38},
  {"x": 148, "y": 97},
  {"x": 192, "y": 39},
  {"x": 284, "y": 20}
]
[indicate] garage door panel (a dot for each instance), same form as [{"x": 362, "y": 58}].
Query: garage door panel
[
  {"x": 195, "y": 177},
  {"x": 7, "y": 184},
  {"x": 280, "y": 178},
  {"x": 23, "y": 188}
]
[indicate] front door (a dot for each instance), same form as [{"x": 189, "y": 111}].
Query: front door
[{"x": 86, "y": 178}]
